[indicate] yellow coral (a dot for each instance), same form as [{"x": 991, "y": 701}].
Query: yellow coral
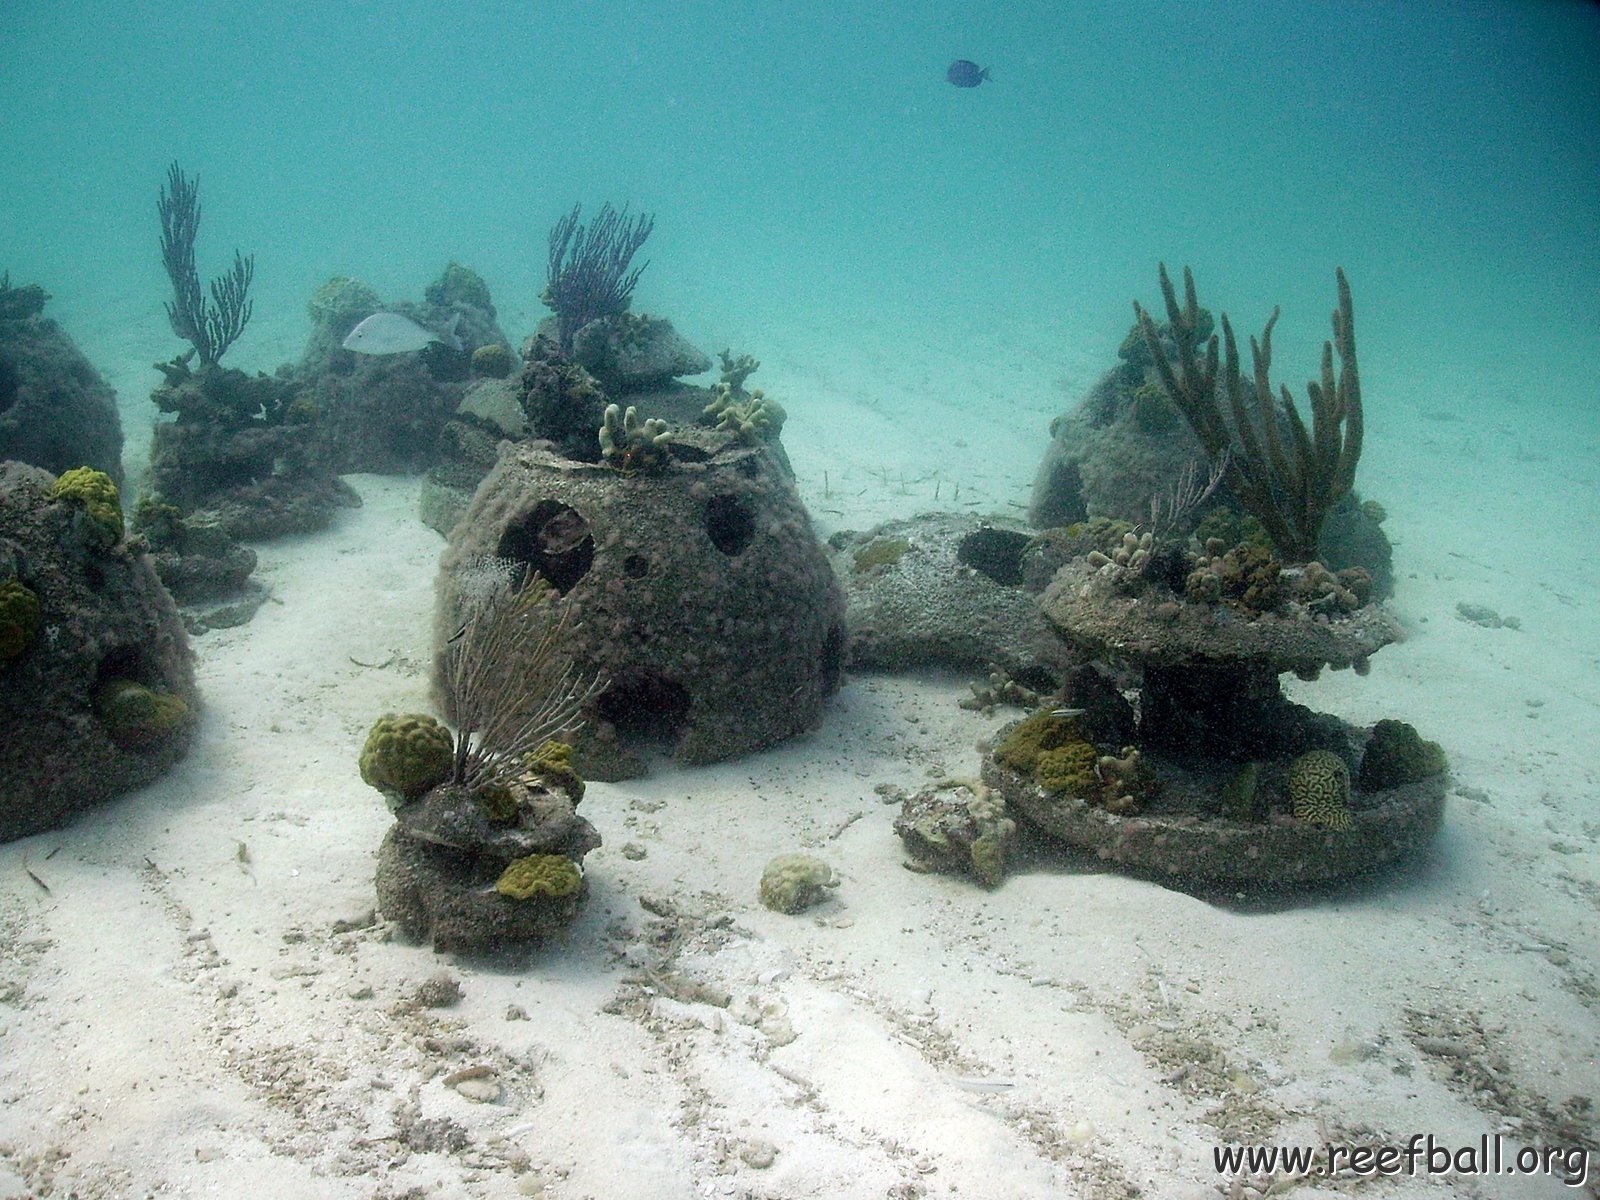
[
  {"x": 880, "y": 552},
  {"x": 98, "y": 495},
  {"x": 1319, "y": 790},
  {"x": 1028, "y": 739},
  {"x": 551, "y": 764},
  {"x": 406, "y": 754},
  {"x": 1068, "y": 769},
  {"x": 552, "y": 875}
]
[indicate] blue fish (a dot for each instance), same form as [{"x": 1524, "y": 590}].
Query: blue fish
[{"x": 967, "y": 74}]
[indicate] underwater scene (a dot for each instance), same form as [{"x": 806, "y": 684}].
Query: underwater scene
[{"x": 920, "y": 601}]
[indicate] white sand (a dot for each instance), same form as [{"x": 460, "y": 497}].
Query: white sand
[{"x": 180, "y": 1015}]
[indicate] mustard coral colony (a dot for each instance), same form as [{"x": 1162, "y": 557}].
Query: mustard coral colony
[
  {"x": 1051, "y": 748},
  {"x": 494, "y": 361},
  {"x": 405, "y": 754},
  {"x": 96, "y": 496},
  {"x": 138, "y": 717},
  {"x": 540, "y": 875}
]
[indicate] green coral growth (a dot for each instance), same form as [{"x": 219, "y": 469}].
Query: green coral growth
[
  {"x": 493, "y": 361},
  {"x": 1068, "y": 769},
  {"x": 879, "y": 552},
  {"x": 995, "y": 831},
  {"x": 19, "y": 618},
  {"x": 1397, "y": 755},
  {"x": 1050, "y": 748},
  {"x": 1034, "y": 736},
  {"x": 341, "y": 302},
  {"x": 552, "y": 763},
  {"x": 498, "y": 802},
  {"x": 405, "y": 755},
  {"x": 1241, "y": 795},
  {"x": 1247, "y": 574},
  {"x": 102, "y": 505},
  {"x": 1229, "y": 527},
  {"x": 137, "y": 717},
  {"x": 1319, "y": 790},
  {"x": 1153, "y": 410},
  {"x": 459, "y": 285},
  {"x": 553, "y": 875}
]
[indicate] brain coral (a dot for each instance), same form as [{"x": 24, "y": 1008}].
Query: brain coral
[
  {"x": 406, "y": 754},
  {"x": 553, "y": 875},
  {"x": 1319, "y": 790}
]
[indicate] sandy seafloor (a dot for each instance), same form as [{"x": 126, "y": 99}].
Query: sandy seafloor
[{"x": 201, "y": 1004}]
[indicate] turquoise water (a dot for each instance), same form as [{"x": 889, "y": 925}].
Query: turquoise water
[
  {"x": 810, "y": 168},
  {"x": 928, "y": 274}
]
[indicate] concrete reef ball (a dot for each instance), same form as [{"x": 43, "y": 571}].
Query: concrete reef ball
[
  {"x": 97, "y": 692},
  {"x": 697, "y": 589}
]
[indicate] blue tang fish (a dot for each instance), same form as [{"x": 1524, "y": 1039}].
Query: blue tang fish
[{"x": 963, "y": 73}]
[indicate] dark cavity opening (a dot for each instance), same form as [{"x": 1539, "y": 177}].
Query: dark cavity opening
[
  {"x": 730, "y": 523},
  {"x": 645, "y": 705},
  {"x": 636, "y": 566},
  {"x": 10, "y": 386},
  {"x": 996, "y": 553},
  {"x": 554, "y": 540},
  {"x": 832, "y": 660},
  {"x": 126, "y": 662}
]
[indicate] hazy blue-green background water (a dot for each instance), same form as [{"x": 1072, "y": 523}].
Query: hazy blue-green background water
[{"x": 815, "y": 178}]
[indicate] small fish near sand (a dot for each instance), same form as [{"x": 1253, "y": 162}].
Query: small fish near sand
[
  {"x": 966, "y": 74},
  {"x": 390, "y": 333}
]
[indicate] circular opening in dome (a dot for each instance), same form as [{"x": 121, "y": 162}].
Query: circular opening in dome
[
  {"x": 554, "y": 540},
  {"x": 995, "y": 553},
  {"x": 730, "y": 524}
]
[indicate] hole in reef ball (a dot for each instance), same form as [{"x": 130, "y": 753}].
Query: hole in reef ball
[
  {"x": 636, "y": 566},
  {"x": 832, "y": 659},
  {"x": 554, "y": 540},
  {"x": 997, "y": 553},
  {"x": 730, "y": 524},
  {"x": 645, "y": 703}
]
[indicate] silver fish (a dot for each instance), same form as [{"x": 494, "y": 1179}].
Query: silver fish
[{"x": 390, "y": 333}]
